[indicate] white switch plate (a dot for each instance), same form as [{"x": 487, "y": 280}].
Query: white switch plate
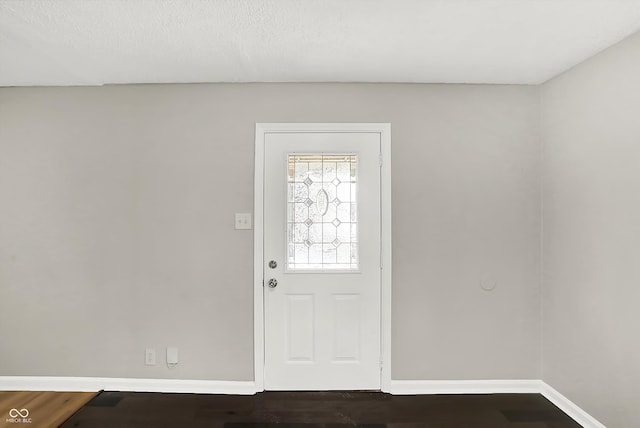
[
  {"x": 150, "y": 357},
  {"x": 243, "y": 221},
  {"x": 172, "y": 355}
]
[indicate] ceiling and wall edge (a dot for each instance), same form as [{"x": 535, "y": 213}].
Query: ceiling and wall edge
[{"x": 79, "y": 43}]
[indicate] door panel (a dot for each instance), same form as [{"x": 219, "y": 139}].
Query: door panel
[
  {"x": 300, "y": 333},
  {"x": 322, "y": 228},
  {"x": 346, "y": 327}
]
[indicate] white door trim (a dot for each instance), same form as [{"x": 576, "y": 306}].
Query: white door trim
[{"x": 384, "y": 129}]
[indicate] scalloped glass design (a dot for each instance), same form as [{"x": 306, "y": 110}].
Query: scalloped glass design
[{"x": 322, "y": 227}]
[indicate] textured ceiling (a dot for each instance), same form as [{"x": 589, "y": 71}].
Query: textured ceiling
[{"x": 82, "y": 42}]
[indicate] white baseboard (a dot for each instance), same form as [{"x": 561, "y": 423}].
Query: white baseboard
[
  {"x": 528, "y": 386},
  {"x": 397, "y": 387},
  {"x": 94, "y": 384},
  {"x": 415, "y": 387},
  {"x": 570, "y": 408}
]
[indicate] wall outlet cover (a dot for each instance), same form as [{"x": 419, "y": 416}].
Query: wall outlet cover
[
  {"x": 172, "y": 355},
  {"x": 150, "y": 357}
]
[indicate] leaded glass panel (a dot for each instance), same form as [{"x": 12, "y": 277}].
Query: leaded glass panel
[{"x": 322, "y": 227}]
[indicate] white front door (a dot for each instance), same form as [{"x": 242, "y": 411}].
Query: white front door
[{"x": 321, "y": 267}]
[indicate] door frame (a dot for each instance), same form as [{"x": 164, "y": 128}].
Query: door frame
[{"x": 384, "y": 129}]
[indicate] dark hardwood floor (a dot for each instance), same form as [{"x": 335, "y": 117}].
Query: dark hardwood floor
[{"x": 319, "y": 410}]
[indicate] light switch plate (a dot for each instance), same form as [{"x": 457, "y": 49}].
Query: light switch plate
[{"x": 243, "y": 221}]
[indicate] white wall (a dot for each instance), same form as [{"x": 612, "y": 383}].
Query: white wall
[
  {"x": 116, "y": 225},
  {"x": 591, "y": 293}
]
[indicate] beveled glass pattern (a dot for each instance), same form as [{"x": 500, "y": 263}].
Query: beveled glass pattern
[{"x": 322, "y": 226}]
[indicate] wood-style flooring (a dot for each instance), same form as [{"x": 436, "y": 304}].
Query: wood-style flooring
[
  {"x": 319, "y": 410},
  {"x": 37, "y": 409}
]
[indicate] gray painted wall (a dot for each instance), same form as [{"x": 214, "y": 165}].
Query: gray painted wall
[
  {"x": 591, "y": 223},
  {"x": 116, "y": 225}
]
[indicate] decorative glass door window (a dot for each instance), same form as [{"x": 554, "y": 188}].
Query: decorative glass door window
[{"x": 322, "y": 226}]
